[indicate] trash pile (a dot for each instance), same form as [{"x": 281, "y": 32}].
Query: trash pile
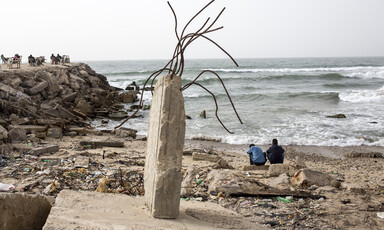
[{"x": 77, "y": 169}]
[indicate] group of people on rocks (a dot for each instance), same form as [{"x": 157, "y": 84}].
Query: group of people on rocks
[{"x": 275, "y": 154}]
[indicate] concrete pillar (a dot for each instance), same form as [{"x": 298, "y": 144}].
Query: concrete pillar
[{"x": 166, "y": 133}]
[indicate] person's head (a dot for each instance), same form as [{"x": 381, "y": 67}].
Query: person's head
[
  {"x": 274, "y": 141},
  {"x": 251, "y": 145}
]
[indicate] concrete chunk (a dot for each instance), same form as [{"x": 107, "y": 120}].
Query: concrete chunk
[
  {"x": 277, "y": 169},
  {"x": 255, "y": 167},
  {"x": 103, "y": 143},
  {"x": 82, "y": 162},
  {"x": 3, "y": 133},
  {"x": 45, "y": 149},
  {"x": 166, "y": 133},
  {"x": 21, "y": 211},
  {"x": 307, "y": 177},
  {"x": 55, "y": 133},
  {"x": 204, "y": 157},
  {"x": 39, "y": 87}
]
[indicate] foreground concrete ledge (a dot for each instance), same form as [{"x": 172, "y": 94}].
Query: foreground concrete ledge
[{"x": 92, "y": 210}]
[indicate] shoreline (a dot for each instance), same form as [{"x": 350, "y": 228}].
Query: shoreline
[{"x": 336, "y": 152}]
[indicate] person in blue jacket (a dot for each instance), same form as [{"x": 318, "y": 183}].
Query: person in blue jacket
[
  {"x": 275, "y": 153},
  {"x": 256, "y": 155}
]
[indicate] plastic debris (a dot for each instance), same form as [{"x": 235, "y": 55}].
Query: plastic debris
[
  {"x": 102, "y": 185},
  {"x": 52, "y": 187},
  {"x": 282, "y": 199},
  {"x": 3, "y": 162},
  {"x": 380, "y": 215},
  {"x": 199, "y": 181},
  {"x": 6, "y": 187}
]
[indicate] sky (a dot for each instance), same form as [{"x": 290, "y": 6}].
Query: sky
[{"x": 145, "y": 29}]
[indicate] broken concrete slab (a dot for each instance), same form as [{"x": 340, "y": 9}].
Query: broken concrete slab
[
  {"x": 166, "y": 134},
  {"x": 308, "y": 177},
  {"x": 31, "y": 128},
  {"x": 3, "y": 133},
  {"x": 53, "y": 121},
  {"x": 55, "y": 132},
  {"x": 234, "y": 183},
  {"x": 204, "y": 157},
  {"x": 39, "y": 87},
  {"x": 280, "y": 182},
  {"x": 125, "y": 132},
  {"x": 8, "y": 89},
  {"x": 23, "y": 148},
  {"x": 82, "y": 162},
  {"x": 79, "y": 130},
  {"x": 92, "y": 210},
  {"x": 222, "y": 164},
  {"x": 296, "y": 165},
  {"x": 70, "y": 97},
  {"x": 355, "y": 188},
  {"x": 277, "y": 169},
  {"x": 17, "y": 135},
  {"x": 22, "y": 211},
  {"x": 103, "y": 143},
  {"x": 254, "y": 167},
  {"x": 45, "y": 149}
]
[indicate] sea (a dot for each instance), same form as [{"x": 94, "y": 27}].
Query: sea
[{"x": 290, "y": 99}]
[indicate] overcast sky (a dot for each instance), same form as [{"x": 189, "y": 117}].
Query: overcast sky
[{"x": 144, "y": 29}]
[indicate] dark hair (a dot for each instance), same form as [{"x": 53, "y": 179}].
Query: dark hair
[
  {"x": 251, "y": 145},
  {"x": 274, "y": 141}
]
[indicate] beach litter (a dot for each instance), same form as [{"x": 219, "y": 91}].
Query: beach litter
[
  {"x": 282, "y": 199},
  {"x": 3, "y": 162},
  {"x": 6, "y": 187}
]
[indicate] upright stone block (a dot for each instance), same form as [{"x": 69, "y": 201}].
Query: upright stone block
[{"x": 166, "y": 133}]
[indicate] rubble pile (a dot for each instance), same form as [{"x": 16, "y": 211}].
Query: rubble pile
[
  {"x": 80, "y": 168},
  {"x": 56, "y": 100},
  {"x": 39, "y": 108}
]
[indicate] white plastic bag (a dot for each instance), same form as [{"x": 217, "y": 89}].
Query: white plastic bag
[{"x": 6, "y": 187}]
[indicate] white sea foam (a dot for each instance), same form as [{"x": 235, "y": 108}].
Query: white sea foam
[
  {"x": 357, "y": 71},
  {"x": 368, "y": 74},
  {"x": 356, "y": 96}
]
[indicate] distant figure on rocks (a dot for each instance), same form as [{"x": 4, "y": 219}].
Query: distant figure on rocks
[
  {"x": 31, "y": 60},
  {"x": 58, "y": 58},
  {"x": 275, "y": 153},
  {"x": 256, "y": 155}
]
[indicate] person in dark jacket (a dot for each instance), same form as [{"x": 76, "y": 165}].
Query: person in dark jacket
[{"x": 275, "y": 153}]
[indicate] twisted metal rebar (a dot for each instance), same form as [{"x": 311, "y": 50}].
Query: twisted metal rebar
[{"x": 175, "y": 66}]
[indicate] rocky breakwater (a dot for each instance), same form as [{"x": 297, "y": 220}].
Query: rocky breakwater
[{"x": 51, "y": 101}]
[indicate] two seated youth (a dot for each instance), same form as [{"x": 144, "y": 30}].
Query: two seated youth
[{"x": 275, "y": 154}]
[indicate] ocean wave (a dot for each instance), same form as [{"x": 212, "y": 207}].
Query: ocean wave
[
  {"x": 355, "y": 72},
  {"x": 324, "y": 95},
  {"x": 131, "y": 73},
  {"x": 368, "y": 75},
  {"x": 295, "y": 70},
  {"x": 356, "y": 96}
]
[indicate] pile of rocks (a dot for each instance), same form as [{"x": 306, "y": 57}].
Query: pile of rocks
[{"x": 56, "y": 100}]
